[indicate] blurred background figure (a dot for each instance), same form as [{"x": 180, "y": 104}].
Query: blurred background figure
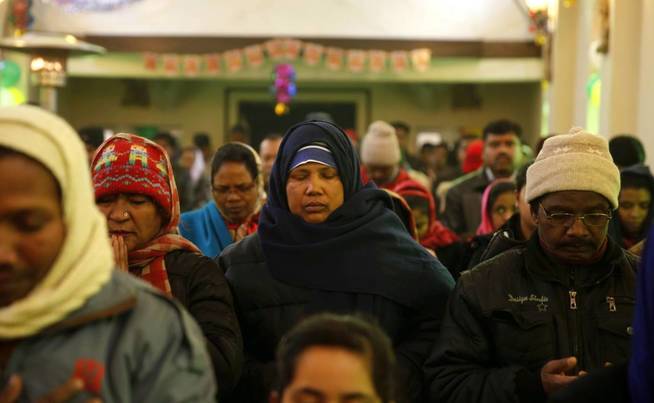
[
  {"x": 403, "y": 133},
  {"x": 463, "y": 200},
  {"x": 268, "y": 152},
  {"x": 634, "y": 216},
  {"x": 432, "y": 234},
  {"x": 473, "y": 156},
  {"x": 498, "y": 204},
  {"x": 433, "y": 153},
  {"x": 201, "y": 170},
  {"x": 382, "y": 158},
  {"x": 237, "y": 189},
  {"x": 203, "y": 143},
  {"x": 330, "y": 358},
  {"x": 238, "y": 133},
  {"x": 92, "y": 137},
  {"x": 626, "y": 150}
]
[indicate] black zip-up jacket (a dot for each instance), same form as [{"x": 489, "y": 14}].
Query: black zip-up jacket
[
  {"x": 199, "y": 284},
  {"x": 513, "y": 313}
]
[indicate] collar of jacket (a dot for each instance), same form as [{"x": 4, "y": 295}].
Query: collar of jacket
[
  {"x": 539, "y": 263},
  {"x": 114, "y": 299}
]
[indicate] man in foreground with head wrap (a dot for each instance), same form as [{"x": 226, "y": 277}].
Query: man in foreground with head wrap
[
  {"x": 70, "y": 325},
  {"x": 529, "y": 321}
]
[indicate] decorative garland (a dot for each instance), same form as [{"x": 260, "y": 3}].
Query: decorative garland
[{"x": 289, "y": 51}]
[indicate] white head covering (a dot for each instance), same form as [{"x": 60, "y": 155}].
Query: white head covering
[{"x": 85, "y": 261}]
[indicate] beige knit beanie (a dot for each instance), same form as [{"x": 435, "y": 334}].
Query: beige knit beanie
[
  {"x": 380, "y": 145},
  {"x": 574, "y": 161}
]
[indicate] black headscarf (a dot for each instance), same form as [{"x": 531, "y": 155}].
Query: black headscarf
[{"x": 362, "y": 247}]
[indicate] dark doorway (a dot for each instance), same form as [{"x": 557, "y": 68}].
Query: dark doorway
[{"x": 260, "y": 117}]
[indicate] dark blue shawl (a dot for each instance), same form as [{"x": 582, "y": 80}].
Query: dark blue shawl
[
  {"x": 361, "y": 248},
  {"x": 641, "y": 365}
]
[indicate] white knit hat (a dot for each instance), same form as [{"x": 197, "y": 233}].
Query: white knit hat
[
  {"x": 575, "y": 161},
  {"x": 380, "y": 145}
]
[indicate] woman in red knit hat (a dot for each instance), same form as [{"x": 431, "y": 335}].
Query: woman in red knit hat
[{"x": 135, "y": 190}]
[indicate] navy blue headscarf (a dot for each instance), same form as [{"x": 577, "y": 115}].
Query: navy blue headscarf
[
  {"x": 362, "y": 247},
  {"x": 641, "y": 365}
]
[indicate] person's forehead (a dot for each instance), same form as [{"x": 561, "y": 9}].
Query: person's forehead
[
  {"x": 575, "y": 199},
  {"x": 501, "y": 136}
]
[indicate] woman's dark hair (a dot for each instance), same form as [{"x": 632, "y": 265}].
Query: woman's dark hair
[
  {"x": 347, "y": 332},
  {"x": 496, "y": 191},
  {"x": 626, "y": 150},
  {"x": 629, "y": 180},
  {"x": 521, "y": 176},
  {"x": 233, "y": 152}
]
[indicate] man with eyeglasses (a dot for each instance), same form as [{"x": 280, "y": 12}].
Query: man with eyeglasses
[{"x": 531, "y": 320}]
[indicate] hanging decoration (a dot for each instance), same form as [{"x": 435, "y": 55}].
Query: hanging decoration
[
  {"x": 21, "y": 16},
  {"x": 399, "y": 61},
  {"x": 283, "y": 87},
  {"x": 191, "y": 65},
  {"x": 313, "y": 54},
  {"x": 234, "y": 60},
  {"x": 254, "y": 55},
  {"x": 310, "y": 54},
  {"x": 150, "y": 61},
  {"x": 10, "y": 73},
  {"x": 421, "y": 59},
  {"x": 334, "y": 60},
  {"x": 377, "y": 60},
  {"x": 212, "y": 63},
  {"x": 78, "y": 6},
  {"x": 292, "y": 48},
  {"x": 171, "y": 64},
  {"x": 356, "y": 60}
]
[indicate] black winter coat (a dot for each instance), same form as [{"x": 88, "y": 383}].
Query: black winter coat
[
  {"x": 268, "y": 308},
  {"x": 511, "y": 314},
  {"x": 198, "y": 283},
  {"x": 463, "y": 203}
]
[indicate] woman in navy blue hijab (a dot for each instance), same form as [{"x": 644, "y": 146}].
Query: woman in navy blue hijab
[{"x": 328, "y": 243}]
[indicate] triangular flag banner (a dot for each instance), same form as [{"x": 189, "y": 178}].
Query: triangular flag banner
[
  {"x": 234, "y": 60},
  {"x": 334, "y": 58},
  {"x": 254, "y": 55},
  {"x": 421, "y": 59},
  {"x": 212, "y": 63},
  {"x": 399, "y": 60},
  {"x": 313, "y": 54},
  {"x": 356, "y": 60},
  {"x": 377, "y": 61}
]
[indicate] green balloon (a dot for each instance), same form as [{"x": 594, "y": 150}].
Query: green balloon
[{"x": 9, "y": 73}]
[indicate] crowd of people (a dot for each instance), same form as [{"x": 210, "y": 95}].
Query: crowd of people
[{"x": 320, "y": 270}]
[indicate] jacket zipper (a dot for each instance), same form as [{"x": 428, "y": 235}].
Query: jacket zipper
[{"x": 572, "y": 292}]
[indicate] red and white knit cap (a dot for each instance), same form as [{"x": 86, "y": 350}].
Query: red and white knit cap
[{"x": 126, "y": 163}]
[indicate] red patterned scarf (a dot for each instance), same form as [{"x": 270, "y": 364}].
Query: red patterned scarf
[{"x": 148, "y": 262}]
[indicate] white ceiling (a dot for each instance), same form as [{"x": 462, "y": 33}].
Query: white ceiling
[{"x": 496, "y": 20}]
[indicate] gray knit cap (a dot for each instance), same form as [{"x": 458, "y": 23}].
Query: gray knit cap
[{"x": 574, "y": 161}]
